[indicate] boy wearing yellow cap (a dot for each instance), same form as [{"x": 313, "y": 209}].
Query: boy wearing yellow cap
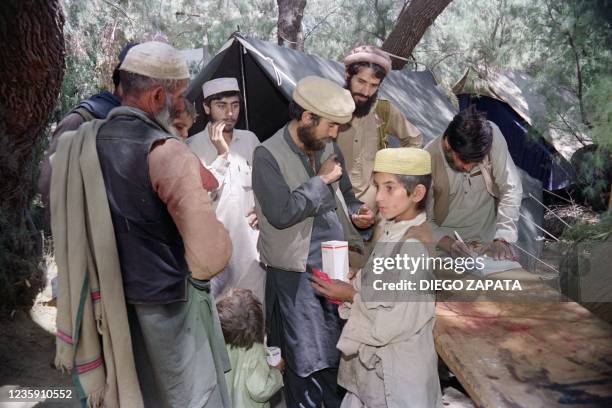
[{"x": 388, "y": 354}]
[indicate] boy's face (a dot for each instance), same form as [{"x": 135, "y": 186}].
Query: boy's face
[
  {"x": 392, "y": 199},
  {"x": 182, "y": 124}
]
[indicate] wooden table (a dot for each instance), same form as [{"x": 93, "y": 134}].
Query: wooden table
[{"x": 538, "y": 354}]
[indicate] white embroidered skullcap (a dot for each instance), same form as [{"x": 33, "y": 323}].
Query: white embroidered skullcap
[
  {"x": 155, "y": 59},
  {"x": 215, "y": 86}
]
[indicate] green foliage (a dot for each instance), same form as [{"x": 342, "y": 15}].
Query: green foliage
[
  {"x": 476, "y": 34},
  {"x": 598, "y": 232},
  {"x": 599, "y": 106},
  {"x": 95, "y": 32},
  {"x": 331, "y": 28},
  {"x": 562, "y": 44}
]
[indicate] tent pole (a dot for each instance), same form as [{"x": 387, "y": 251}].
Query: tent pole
[{"x": 244, "y": 89}]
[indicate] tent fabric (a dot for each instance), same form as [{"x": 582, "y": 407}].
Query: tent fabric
[
  {"x": 267, "y": 74},
  {"x": 509, "y": 99},
  {"x": 519, "y": 91},
  {"x": 530, "y": 152}
]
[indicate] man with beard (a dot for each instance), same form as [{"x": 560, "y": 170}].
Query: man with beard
[
  {"x": 303, "y": 198},
  {"x": 228, "y": 152},
  {"x": 132, "y": 221},
  {"x": 477, "y": 189},
  {"x": 365, "y": 69}
]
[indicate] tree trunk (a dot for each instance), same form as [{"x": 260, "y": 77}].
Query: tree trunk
[
  {"x": 289, "y": 27},
  {"x": 31, "y": 72},
  {"x": 412, "y": 23}
]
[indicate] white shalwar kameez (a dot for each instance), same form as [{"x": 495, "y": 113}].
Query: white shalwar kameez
[{"x": 232, "y": 202}]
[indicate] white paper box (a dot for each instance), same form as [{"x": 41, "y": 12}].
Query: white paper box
[{"x": 335, "y": 259}]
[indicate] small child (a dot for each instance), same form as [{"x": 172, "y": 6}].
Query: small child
[
  {"x": 388, "y": 355},
  {"x": 183, "y": 120},
  {"x": 251, "y": 381}
]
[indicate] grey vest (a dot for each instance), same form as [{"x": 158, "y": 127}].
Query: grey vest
[{"x": 288, "y": 248}]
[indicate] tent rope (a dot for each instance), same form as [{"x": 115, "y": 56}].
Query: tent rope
[
  {"x": 277, "y": 71},
  {"x": 538, "y": 227},
  {"x": 532, "y": 255},
  {"x": 396, "y": 56},
  {"x": 551, "y": 211}
]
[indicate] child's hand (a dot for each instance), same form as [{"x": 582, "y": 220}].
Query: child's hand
[
  {"x": 351, "y": 273},
  {"x": 280, "y": 366},
  {"x": 335, "y": 289}
]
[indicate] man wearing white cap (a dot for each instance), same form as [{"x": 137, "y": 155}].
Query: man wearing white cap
[
  {"x": 228, "y": 152},
  {"x": 365, "y": 69},
  {"x": 167, "y": 243},
  {"x": 302, "y": 198}
]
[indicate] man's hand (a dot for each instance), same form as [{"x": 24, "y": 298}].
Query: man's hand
[
  {"x": 460, "y": 249},
  {"x": 499, "y": 250},
  {"x": 330, "y": 170},
  {"x": 336, "y": 289},
  {"x": 364, "y": 218},
  {"x": 455, "y": 248},
  {"x": 252, "y": 219},
  {"x": 215, "y": 132}
]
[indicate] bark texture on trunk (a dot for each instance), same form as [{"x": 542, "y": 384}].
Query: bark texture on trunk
[
  {"x": 31, "y": 72},
  {"x": 412, "y": 23},
  {"x": 289, "y": 27}
]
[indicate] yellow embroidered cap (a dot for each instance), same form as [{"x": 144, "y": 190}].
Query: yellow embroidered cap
[{"x": 407, "y": 161}]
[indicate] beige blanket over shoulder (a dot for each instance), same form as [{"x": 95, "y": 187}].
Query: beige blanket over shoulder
[{"x": 93, "y": 336}]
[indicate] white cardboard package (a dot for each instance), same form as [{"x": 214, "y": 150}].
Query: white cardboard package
[{"x": 335, "y": 259}]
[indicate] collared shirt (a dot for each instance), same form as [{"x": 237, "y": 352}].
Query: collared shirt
[
  {"x": 359, "y": 144},
  {"x": 473, "y": 211},
  {"x": 393, "y": 231}
]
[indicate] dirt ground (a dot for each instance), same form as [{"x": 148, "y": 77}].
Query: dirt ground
[{"x": 27, "y": 350}]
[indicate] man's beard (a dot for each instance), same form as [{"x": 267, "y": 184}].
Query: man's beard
[
  {"x": 306, "y": 136},
  {"x": 163, "y": 117},
  {"x": 362, "y": 108}
]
